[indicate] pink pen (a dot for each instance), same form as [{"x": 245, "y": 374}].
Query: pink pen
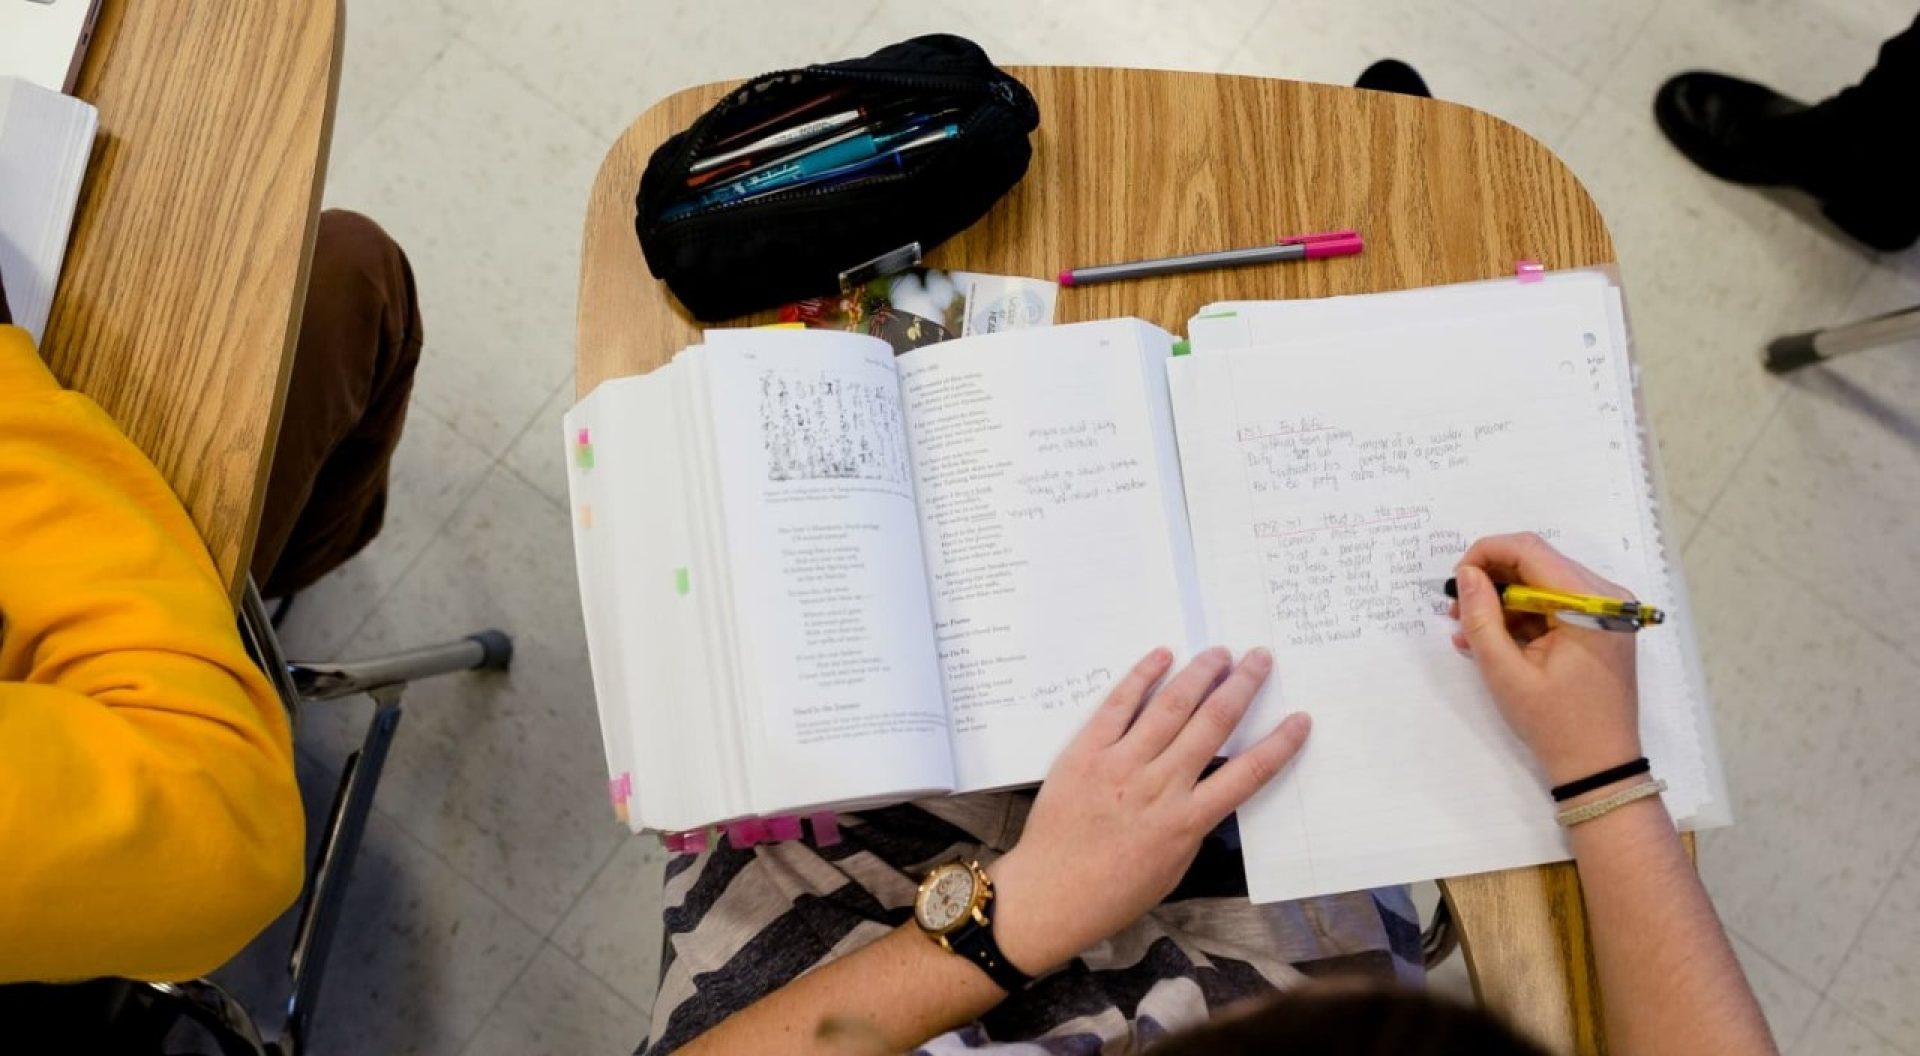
[{"x": 1293, "y": 247}]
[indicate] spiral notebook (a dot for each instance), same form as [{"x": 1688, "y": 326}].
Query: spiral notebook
[{"x": 1339, "y": 455}]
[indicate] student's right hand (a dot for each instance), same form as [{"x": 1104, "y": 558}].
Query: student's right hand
[{"x": 1568, "y": 692}]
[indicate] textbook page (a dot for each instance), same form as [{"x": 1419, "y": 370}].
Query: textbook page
[
  {"x": 1333, "y": 485},
  {"x": 1052, "y": 517},
  {"x": 835, "y": 641}
]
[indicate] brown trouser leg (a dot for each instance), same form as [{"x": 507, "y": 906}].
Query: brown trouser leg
[{"x": 346, "y": 403}]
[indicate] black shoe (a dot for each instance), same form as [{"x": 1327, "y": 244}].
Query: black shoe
[
  {"x": 1728, "y": 127},
  {"x": 1392, "y": 75},
  {"x": 1748, "y": 133}
]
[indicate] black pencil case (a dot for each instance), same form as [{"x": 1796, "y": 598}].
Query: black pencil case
[{"x": 738, "y": 257}]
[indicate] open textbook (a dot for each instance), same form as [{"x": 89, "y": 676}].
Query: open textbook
[{"x": 818, "y": 575}]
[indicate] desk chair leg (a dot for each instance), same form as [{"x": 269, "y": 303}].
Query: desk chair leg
[
  {"x": 333, "y": 866},
  {"x": 1790, "y": 353},
  {"x": 484, "y": 651},
  {"x": 383, "y": 679}
]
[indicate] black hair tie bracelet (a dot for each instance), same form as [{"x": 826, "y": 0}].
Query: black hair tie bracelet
[{"x": 1562, "y": 793}]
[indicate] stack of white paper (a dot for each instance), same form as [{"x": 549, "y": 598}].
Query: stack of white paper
[{"x": 45, "y": 140}]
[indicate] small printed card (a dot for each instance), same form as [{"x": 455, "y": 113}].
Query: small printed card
[{"x": 924, "y": 306}]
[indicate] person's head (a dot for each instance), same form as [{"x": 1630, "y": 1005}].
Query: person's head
[{"x": 1342, "y": 1020}]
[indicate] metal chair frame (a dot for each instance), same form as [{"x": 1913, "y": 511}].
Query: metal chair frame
[
  {"x": 1793, "y": 351},
  {"x": 384, "y": 679}
]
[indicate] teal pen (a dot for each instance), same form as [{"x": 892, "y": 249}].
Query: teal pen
[{"x": 810, "y": 166}]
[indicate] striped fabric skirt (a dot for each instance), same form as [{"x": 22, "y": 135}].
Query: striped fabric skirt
[{"x": 742, "y": 923}]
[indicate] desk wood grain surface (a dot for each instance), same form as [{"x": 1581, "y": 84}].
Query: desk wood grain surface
[
  {"x": 187, "y": 270},
  {"x": 1130, "y": 164}
]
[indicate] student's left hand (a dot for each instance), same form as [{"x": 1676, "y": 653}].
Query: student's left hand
[{"x": 1122, "y": 812}]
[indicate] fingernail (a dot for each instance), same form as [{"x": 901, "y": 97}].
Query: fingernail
[
  {"x": 1217, "y": 654},
  {"x": 1468, "y": 579},
  {"x": 1298, "y": 722},
  {"x": 1259, "y": 660},
  {"x": 1160, "y": 655}
]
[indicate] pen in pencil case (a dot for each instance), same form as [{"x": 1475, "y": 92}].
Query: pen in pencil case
[
  {"x": 774, "y": 121},
  {"x": 786, "y": 137},
  {"x": 819, "y": 169},
  {"x": 1580, "y": 610},
  {"x": 748, "y": 168}
]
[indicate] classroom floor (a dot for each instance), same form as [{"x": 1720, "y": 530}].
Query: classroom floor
[{"x": 499, "y": 909}]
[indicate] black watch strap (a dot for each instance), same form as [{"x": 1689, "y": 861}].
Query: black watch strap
[{"x": 977, "y": 944}]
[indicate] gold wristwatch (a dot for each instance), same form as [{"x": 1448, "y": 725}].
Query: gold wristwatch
[{"x": 954, "y": 908}]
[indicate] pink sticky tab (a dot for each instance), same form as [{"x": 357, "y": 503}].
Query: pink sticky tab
[
  {"x": 1529, "y": 270},
  {"x": 746, "y": 832},
  {"x": 626, "y": 785},
  {"x": 826, "y": 831},
  {"x": 584, "y": 438},
  {"x": 787, "y": 828},
  {"x": 617, "y": 791},
  {"x": 694, "y": 842},
  {"x": 674, "y": 842}
]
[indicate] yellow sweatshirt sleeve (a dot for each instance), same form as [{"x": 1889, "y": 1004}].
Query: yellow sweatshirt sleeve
[{"x": 149, "y": 821}]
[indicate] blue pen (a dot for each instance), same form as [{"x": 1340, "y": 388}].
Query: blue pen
[{"x": 832, "y": 163}]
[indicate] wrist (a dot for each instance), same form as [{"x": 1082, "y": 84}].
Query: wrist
[
  {"x": 1567, "y": 766},
  {"x": 1625, "y": 831},
  {"x": 1033, "y": 934}
]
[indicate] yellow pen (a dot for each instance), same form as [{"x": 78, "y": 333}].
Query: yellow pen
[{"x": 1580, "y": 610}]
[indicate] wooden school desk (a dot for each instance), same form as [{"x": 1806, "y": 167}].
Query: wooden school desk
[
  {"x": 1132, "y": 163},
  {"x": 187, "y": 271}
]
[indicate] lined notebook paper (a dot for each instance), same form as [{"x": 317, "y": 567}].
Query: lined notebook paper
[
  {"x": 1340, "y": 455},
  {"x": 45, "y": 139}
]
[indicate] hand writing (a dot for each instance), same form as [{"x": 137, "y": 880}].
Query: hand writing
[
  {"x": 1122, "y": 812},
  {"x": 1569, "y": 692}
]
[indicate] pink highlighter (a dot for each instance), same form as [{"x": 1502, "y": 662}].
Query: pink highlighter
[{"x": 1293, "y": 247}]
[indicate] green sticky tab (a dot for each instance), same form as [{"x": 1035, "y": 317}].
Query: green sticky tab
[
  {"x": 583, "y": 455},
  {"x": 680, "y": 583},
  {"x": 1218, "y": 315},
  {"x": 1181, "y": 348}
]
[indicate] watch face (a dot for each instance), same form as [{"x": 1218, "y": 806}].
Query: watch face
[{"x": 946, "y": 898}]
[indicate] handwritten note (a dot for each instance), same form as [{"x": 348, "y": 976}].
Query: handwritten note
[
  {"x": 1076, "y": 462},
  {"x": 1333, "y": 485},
  {"x": 1046, "y": 484}
]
